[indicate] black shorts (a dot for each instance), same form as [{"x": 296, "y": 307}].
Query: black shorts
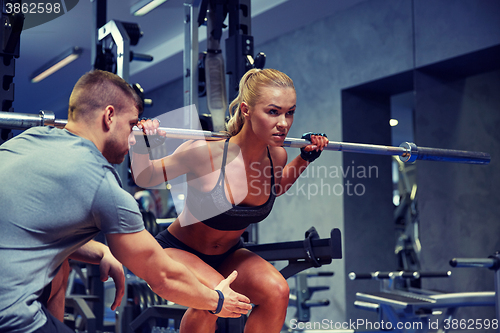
[{"x": 167, "y": 240}]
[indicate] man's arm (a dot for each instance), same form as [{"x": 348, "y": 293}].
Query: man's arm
[{"x": 171, "y": 280}]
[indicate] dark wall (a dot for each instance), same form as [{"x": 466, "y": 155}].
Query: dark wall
[
  {"x": 368, "y": 210},
  {"x": 458, "y": 203},
  {"x": 456, "y": 107},
  {"x": 447, "y": 28},
  {"x": 167, "y": 98}
]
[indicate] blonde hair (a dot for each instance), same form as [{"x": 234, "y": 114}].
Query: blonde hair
[{"x": 250, "y": 92}]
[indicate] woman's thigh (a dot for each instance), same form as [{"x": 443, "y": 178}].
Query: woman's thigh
[
  {"x": 257, "y": 278},
  {"x": 203, "y": 272}
]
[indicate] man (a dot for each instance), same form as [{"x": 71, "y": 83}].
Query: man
[{"x": 59, "y": 189}]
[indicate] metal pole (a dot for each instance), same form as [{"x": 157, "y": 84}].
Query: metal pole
[
  {"x": 191, "y": 50},
  {"x": 99, "y": 11},
  {"x": 22, "y": 121},
  {"x": 407, "y": 152}
]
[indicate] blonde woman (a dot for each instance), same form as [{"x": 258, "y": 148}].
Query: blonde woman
[{"x": 231, "y": 184}]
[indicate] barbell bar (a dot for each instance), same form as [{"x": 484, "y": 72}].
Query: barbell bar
[{"x": 407, "y": 151}]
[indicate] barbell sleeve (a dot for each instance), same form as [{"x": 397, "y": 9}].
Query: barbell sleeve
[
  {"x": 444, "y": 155},
  {"x": 407, "y": 152},
  {"x": 22, "y": 121},
  {"x": 449, "y": 155}
]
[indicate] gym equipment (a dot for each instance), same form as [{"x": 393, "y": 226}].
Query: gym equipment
[
  {"x": 10, "y": 37},
  {"x": 397, "y": 275},
  {"x": 82, "y": 306},
  {"x": 22, "y": 121},
  {"x": 300, "y": 296},
  {"x": 150, "y": 223},
  {"x": 407, "y": 152},
  {"x": 412, "y": 310},
  {"x": 239, "y": 47},
  {"x": 119, "y": 36},
  {"x": 301, "y": 255},
  {"x": 82, "y": 311},
  {"x": 214, "y": 64},
  {"x": 407, "y": 223},
  {"x": 157, "y": 315},
  {"x": 123, "y": 35},
  {"x": 493, "y": 263}
]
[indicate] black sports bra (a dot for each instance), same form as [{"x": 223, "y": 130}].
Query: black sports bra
[{"x": 213, "y": 209}]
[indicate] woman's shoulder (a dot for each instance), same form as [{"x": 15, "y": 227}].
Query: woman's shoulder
[
  {"x": 204, "y": 144},
  {"x": 200, "y": 152},
  {"x": 278, "y": 155}
]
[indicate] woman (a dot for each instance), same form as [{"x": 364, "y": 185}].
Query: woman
[{"x": 231, "y": 184}]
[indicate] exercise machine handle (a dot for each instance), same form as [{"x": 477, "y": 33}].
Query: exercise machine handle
[{"x": 491, "y": 262}]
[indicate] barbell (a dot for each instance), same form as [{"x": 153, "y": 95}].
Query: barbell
[{"x": 407, "y": 151}]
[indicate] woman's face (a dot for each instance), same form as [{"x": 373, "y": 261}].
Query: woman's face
[{"x": 272, "y": 115}]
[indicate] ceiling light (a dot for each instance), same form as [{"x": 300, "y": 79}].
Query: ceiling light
[
  {"x": 56, "y": 64},
  {"x": 393, "y": 122},
  {"x": 145, "y": 6}
]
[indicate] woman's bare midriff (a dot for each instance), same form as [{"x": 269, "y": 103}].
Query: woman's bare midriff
[{"x": 204, "y": 239}]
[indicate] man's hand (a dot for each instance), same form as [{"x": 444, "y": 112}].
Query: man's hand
[
  {"x": 234, "y": 304},
  {"x": 96, "y": 253},
  {"x": 110, "y": 267}
]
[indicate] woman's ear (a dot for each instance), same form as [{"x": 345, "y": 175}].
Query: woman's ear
[{"x": 245, "y": 110}]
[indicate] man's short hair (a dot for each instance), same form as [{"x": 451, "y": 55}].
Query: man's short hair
[{"x": 97, "y": 89}]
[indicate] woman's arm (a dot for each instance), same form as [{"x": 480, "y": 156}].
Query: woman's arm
[
  {"x": 192, "y": 156},
  {"x": 293, "y": 170},
  {"x": 147, "y": 172}
]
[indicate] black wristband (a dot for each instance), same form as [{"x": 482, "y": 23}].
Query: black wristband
[
  {"x": 219, "y": 304},
  {"x": 144, "y": 143},
  {"x": 310, "y": 156}
]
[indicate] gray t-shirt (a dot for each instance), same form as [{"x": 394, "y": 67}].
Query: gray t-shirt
[{"x": 57, "y": 191}]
